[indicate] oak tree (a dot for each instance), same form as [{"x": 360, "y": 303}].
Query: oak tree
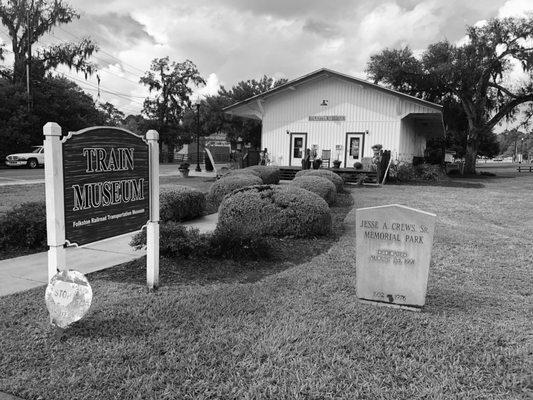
[
  {"x": 472, "y": 74},
  {"x": 26, "y": 22},
  {"x": 171, "y": 86}
]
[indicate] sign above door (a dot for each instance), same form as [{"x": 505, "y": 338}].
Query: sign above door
[{"x": 327, "y": 118}]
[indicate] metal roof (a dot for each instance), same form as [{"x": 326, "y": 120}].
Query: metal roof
[{"x": 325, "y": 72}]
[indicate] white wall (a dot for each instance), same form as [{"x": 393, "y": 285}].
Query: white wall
[{"x": 365, "y": 109}]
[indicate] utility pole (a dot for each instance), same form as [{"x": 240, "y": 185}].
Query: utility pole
[{"x": 28, "y": 56}]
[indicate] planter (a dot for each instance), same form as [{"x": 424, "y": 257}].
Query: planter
[
  {"x": 337, "y": 164},
  {"x": 184, "y": 172}
]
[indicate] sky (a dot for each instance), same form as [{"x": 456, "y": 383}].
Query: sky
[{"x": 234, "y": 40}]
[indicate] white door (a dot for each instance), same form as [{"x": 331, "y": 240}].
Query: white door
[
  {"x": 297, "y": 148},
  {"x": 355, "y": 142}
]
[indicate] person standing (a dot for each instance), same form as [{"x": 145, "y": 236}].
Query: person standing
[
  {"x": 264, "y": 157},
  {"x": 306, "y": 161}
]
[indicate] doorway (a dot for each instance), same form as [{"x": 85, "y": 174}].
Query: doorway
[
  {"x": 297, "y": 149},
  {"x": 355, "y": 142}
]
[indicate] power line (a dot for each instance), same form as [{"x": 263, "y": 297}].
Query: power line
[
  {"x": 103, "y": 51},
  {"x": 123, "y": 95}
]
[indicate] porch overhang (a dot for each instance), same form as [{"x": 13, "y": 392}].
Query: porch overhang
[
  {"x": 430, "y": 125},
  {"x": 252, "y": 110}
]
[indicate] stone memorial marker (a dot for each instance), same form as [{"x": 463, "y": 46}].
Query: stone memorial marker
[
  {"x": 393, "y": 251},
  {"x": 68, "y": 298}
]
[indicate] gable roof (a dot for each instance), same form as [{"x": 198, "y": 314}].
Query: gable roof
[{"x": 325, "y": 72}]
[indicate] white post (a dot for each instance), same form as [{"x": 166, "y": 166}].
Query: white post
[
  {"x": 55, "y": 213},
  {"x": 152, "y": 228}
]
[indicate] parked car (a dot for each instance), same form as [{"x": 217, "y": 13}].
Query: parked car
[{"x": 30, "y": 160}]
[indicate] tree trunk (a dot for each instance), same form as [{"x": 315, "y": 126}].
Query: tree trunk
[{"x": 470, "y": 158}]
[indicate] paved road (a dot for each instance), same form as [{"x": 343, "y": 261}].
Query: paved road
[{"x": 25, "y": 176}]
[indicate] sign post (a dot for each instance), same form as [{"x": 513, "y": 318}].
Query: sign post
[
  {"x": 152, "y": 228},
  {"x": 55, "y": 206}
]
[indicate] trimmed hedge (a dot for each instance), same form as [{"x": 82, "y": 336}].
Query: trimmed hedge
[
  {"x": 319, "y": 185},
  {"x": 228, "y": 184},
  {"x": 243, "y": 171},
  {"x": 269, "y": 210},
  {"x": 178, "y": 241},
  {"x": 324, "y": 173},
  {"x": 181, "y": 203},
  {"x": 24, "y": 226},
  {"x": 269, "y": 174}
]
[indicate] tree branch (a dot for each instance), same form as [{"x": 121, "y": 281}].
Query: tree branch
[
  {"x": 507, "y": 109},
  {"x": 501, "y": 88}
]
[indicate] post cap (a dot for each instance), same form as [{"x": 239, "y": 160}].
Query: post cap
[
  {"x": 152, "y": 135},
  {"x": 51, "y": 129}
]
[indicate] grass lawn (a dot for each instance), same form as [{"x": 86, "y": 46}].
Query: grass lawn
[
  {"x": 293, "y": 329},
  {"x": 13, "y": 195}
]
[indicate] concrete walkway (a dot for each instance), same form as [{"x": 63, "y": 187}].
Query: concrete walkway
[{"x": 26, "y": 272}]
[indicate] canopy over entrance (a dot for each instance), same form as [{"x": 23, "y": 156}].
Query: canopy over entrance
[{"x": 429, "y": 125}]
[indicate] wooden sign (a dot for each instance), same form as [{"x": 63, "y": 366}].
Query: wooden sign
[
  {"x": 393, "y": 252},
  {"x": 68, "y": 298},
  {"x": 106, "y": 184},
  {"x": 100, "y": 182}
]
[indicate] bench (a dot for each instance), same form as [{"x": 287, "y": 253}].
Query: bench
[{"x": 523, "y": 168}]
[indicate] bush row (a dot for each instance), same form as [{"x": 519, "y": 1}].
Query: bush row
[
  {"x": 24, "y": 227},
  {"x": 178, "y": 241},
  {"x": 406, "y": 172}
]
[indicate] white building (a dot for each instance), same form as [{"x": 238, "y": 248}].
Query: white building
[{"x": 327, "y": 110}]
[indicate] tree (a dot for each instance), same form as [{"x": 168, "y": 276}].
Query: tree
[
  {"x": 56, "y": 99},
  {"x": 111, "y": 116},
  {"x": 215, "y": 120},
  {"x": 26, "y": 22},
  {"x": 472, "y": 75},
  {"x": 172, "y": 85}
]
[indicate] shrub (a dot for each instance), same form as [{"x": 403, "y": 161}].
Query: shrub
[
  {"x": 402, "y": 172},
  {"x": 236, "y": 245},
  {"x": 181, "y": 203},
  {"x": 178, "y": 241},
  {"x": 24, "y": 226},
  {"x": 428, "y": 172},
  {"x": 319, "y": 185},
  {"x": 243, "y": 171},
  {"x": 358, "y": 165},
  {"x": 276, "y": 211},
  {"x": 228, "y": 184},
  {"x": 174, "y": 240},
  {"x": 406, "y": 172},
  {"x": 269, "y": 174},
  {"x": 324, "y": 173}
]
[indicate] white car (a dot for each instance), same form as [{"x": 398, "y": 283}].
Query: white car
[{"x": 31, "y": 160}]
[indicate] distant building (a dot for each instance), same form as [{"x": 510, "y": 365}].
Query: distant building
[{"x": 327, "y": 110}]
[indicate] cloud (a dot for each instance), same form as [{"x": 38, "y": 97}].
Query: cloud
[
  {"x": 212, "y": 85},
  {"x": 234, "y": 40},
  {"x": 515, "y": 8},
  {"x": 321, "y": 28}
]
